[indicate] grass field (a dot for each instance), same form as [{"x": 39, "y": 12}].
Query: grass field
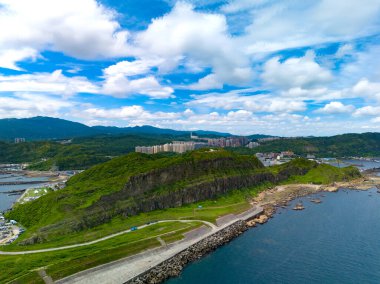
[
  {"x": 233, "y": 202},
  {"x": 23, "y": 268},
  {"x": 58, "y": 264}
]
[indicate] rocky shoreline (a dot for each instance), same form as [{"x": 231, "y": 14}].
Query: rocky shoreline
[
  {"x": 270, "y": 200},
  {"x": 174, "y": 266},
  {"x": 281, "y": 195}
]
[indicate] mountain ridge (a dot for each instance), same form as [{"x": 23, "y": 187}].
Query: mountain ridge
[{"x": 49, "y": 128}]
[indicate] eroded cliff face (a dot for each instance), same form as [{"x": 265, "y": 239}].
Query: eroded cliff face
[
  {"x": 180, "y": 185},
  {"x": 173, "y": 186}
]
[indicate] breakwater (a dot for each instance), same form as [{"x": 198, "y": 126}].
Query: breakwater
[
  {"x": 173, "y": 266},
  {"x": 22, "y": 182}
]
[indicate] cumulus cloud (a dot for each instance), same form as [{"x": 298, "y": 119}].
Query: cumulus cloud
[
  {"x": 83, "y": 29},
  {"x": 120, "y": 86},
  {"x": 302, "y": 72},
  {"x": 184, "y": 33},
  {"x": 115, "y": 83},
  {"x": 54, "y": 83},
  {"x": 367, "y": 111},
  {"x": 208, "y": 82},
  {"x": 118, "y": 81},
  {"x": 289, "y": 24},
  {"x": 132, "y": 68},
  {"x": 255, "y": 103},
  {"x": 28, "y": 105},
  {"x": 336, "y": 108},
  {"x": 367, "y": 89}
]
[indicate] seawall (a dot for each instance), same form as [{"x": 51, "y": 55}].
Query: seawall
[{"x": 173, "y": 266}]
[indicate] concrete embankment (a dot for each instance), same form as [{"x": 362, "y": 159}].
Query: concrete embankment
[
  {"x": 173, "y": 266},
  {"x": 156, "y": 265}
]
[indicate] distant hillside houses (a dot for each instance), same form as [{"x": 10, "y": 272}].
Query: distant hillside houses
[
  {"x": 184, "y": 146},
  {"x": 175, "y": 146}
]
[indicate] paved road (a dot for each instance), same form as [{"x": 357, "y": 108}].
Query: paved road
[
  {"x": 121, "y": 271},
  {"x": 211, "y": 225}
]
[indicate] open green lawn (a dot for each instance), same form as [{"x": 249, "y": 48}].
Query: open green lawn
[
  {"x": 58, "y": 264},
  {"x": 233, "y": 202}
]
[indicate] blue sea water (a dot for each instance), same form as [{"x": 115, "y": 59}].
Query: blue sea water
[
  {"x": 6, "y": 201},
  {"x": 337, "y": 241}
]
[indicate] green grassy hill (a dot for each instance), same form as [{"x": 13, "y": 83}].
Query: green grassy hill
[
  {"x": 81, "y": 153},
  {"x": 346, "y": 145},
  {"x": 137, "y": 184}
]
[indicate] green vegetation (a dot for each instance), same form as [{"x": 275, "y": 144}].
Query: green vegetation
[
  {"x": 58, "y": 264},
  {"x": 346, "y": 145},
  {"x": 81, "y": 153},
  {"x": 325, "y": 174},
  {"x": 134, "y": 189},
  {"x": 50, "y": 219}
]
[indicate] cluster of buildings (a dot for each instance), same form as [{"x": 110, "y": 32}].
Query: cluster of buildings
[
  {"x": 175, "y": 146},
  {"x": 271, "y": 159},
  {"x": 252, "y": 145},
  {"x": 227, "y": 142},
  {"x": 184, "y": 146},
  {"x": 9, "y": 231},
  {"x": 12, "y": 167},
  {"x": 19, "y": 140}
]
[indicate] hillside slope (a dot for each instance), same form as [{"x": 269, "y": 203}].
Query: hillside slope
[
  {"x": 49, "y": 128},
  {"x": 366, "y": 144},
  {"x": 138, "y": 183}
]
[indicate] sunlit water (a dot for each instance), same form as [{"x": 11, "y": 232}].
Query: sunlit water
[
  {"x": 337, "y": 241},
  {"x": 7, "y": 200}
]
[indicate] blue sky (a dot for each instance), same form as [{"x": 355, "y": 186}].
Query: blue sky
[{"x": 246, "y": 66}]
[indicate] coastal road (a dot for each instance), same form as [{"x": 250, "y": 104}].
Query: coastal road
[
  {"x": 122, "y": 270},
  {"x": 209, "y": 224}
]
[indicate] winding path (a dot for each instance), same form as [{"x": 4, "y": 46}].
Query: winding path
[
  {"x": 211, "y": 225},
  {"x": 120, "y": 271}
]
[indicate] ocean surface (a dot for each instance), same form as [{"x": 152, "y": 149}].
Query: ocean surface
[
  {"x": 7, "y": 200},
  {"x": 337, "y": 241},
  {"x": 360, "y": 164}
]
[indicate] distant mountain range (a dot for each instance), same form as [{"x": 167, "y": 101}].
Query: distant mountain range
[{"x": 48, "y": 128}]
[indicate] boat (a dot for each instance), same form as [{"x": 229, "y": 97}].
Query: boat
[{"x": 299, "y": 206}]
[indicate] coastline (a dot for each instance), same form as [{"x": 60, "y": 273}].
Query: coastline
[
  {"x": 270, "y": 200},
  {"x": 157, "y": 265},
  {"x": 281, "y": 195}
]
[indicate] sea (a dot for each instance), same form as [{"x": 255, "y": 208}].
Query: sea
[
  {"x": 336, "y": 241},
  {"x": 7, "y": 200}
]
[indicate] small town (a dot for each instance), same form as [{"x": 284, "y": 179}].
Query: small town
[{"x": 9, "y": 230}]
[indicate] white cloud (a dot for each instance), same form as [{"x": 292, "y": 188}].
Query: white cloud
[
  {"x": 83, "y": 29},
  {"x": 336, "y": 108},
  {"x": 367, "y": 110},
  {"x": 289, "y": 24},
  {"x": 364, "y": 64},
  {"x": 208, "y": 82},
  {"x": 8, "y": 58},
  {"x": 345, "y": 49},
  {"x": 302, "y": 72},
  {"x": 122, "y": 87},
  {"x": 241, "y": 5},
  {"x": 201, "y": 37},
  {"x": 115, "y": 84},
  {"x": 28, "y": 105},
  {"x": 255, "y": 103},
  {"x": 367, "y": 89},
  {"x": 54, "y": 83},
  {"x": 118, "y": 81},
  {"x": 131, "y": 68}
]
